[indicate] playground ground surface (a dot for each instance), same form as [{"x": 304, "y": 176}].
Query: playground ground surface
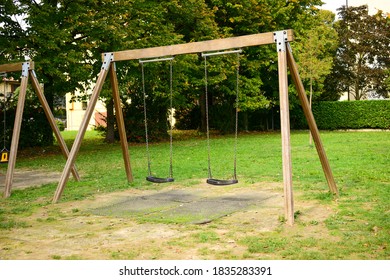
[
  {"x": 201, "y": 222},
  {"x": 105, "y": 217}
]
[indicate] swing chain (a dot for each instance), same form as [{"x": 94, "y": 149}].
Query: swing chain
[
  {"x": 145, "y": 120},
  {"x": 4, "y": 108},
  {"x": 171, "y": 119},
  {"x": 207, "y": 117},
  {"x": 171, "y": 114},
  {"x": 207, "y": 112},
  {"x": 236, "y": 128}
]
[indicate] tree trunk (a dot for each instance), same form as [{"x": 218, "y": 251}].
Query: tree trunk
[
  {"x": 110, "y": 133},
  {"x": 245, "y": 121}
]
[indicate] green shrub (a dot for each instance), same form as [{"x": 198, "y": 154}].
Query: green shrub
[
  {"x": 331, "y": 115},
  {"x": 352, "y": 114},
  {"x": 60, "y": 124}
]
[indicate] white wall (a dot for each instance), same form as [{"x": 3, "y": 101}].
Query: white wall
[{"x": 75, "y": 112}]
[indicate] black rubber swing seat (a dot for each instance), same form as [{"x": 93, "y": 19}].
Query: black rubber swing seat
[
  {"x": 159, "y": 180},
  {"x": 218, "y": 182}
]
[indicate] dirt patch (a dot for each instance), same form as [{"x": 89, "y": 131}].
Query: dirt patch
[
  {"x": 182, "y": 206},
  {"x": 94, "y": 229},
  {"x": 29, "y": 178}
]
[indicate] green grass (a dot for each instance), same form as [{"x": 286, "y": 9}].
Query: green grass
[{"x": 360, "y": 219}]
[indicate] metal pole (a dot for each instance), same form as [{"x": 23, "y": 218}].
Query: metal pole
[
  {"x": 221, "y": 53},
  {"x": 156, "y": 59}
]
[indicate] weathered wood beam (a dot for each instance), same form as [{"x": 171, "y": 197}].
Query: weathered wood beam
[
  {"x": 52, "y": 122},
  {"x": 80, "y": 135},
  {"x": 203, "y": 46},
  {"x": 286, "y": 139},
  {"x": 120, "y": 122},
  {"x": 311, "y": 122},
  {"x": 16, "y": 132},
  {"x": 14, "y": 67}
]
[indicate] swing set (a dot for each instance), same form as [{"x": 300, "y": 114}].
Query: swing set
[
  {"x": 27, "y": 69},
  {"x": 285, "y": 60}
]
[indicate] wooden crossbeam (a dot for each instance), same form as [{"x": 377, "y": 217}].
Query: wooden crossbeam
[
  {"x": 14, "y": 67},
  {"x": 199, "y": 47}
]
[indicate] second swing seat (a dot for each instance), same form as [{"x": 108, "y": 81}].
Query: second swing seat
[
  {"x": 159, "y": 180},
  {"x": 221, "y": 182}
]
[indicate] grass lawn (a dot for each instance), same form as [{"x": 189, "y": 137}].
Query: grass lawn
[{"x": 355, "y": 225}]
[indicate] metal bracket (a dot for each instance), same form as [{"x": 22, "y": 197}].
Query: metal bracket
[
  {"x": 25, "y": 68},
  {"x": 108, "y": 58},
  {"x": 281, "y": 39}
]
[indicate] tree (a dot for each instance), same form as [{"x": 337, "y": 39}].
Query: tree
[
  {"x": 258, "y": 67},
  {"x": 66, "y": 38},
  {"x": 11, "y": 31},
  {"x": 315, "y": 51},
  {"x": 363, "y": 56}
]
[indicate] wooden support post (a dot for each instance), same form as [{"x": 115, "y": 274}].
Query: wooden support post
[
  {"x": 52, "y": 122},
  {"x": 120, "y": 122},
  {"x": 16, "y": 131},
  {"x": 280, "y": 39},
  {"x": 83, "y": 127},
  {"x": 311, "y": 122}
]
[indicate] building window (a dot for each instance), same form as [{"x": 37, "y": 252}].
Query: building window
[{"x": 84, "y": 105}]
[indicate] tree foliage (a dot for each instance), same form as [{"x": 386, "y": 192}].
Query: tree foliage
[
  {"x": 66, "y": 38},
  {"x": 363, "y": 56},
  {"x": 315, "y": 51}
]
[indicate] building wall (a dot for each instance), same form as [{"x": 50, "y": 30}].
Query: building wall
[
  {"x": 75, "y": 112},
  {"x": 8, "y": 86}
]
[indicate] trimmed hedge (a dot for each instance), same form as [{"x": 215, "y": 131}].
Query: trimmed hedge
[
  {"x": 332, "y": 115},
  {"x": 329, "y": 115}
]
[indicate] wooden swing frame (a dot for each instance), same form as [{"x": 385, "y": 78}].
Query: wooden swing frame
[
  {"x": 27, "y": 69},
  {"x": 285, "y": 61}
]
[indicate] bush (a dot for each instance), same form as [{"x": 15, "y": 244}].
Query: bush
[
  {"x": 331, "y": 115},
  {"x": 35, "y": 129},
  {"x": 353, "y": 114},
  {"x": 60, "y": 124}
]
